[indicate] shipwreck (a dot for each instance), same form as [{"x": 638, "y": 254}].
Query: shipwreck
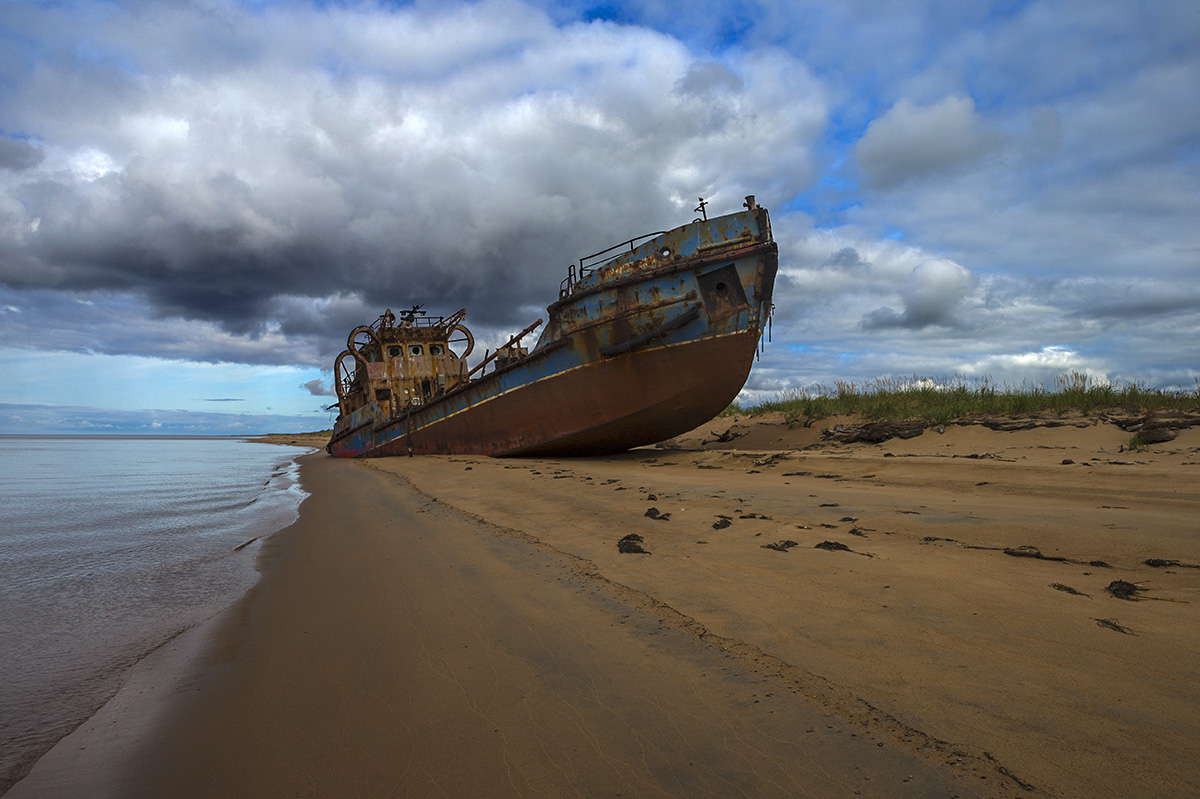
[{"x": 647, "y": 339}]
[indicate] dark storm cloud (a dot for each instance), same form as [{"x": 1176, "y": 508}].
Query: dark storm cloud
[
  {"x": 118, "y": 324},
  {"x": 454, "y": 157},
  {"x": 846, "y": 258}
]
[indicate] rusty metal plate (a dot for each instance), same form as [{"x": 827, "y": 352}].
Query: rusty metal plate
[{"x": 722, "y": 292}]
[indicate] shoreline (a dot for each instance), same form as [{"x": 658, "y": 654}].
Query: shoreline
[
  {"x": 79, "y": 760},
  {"x": 553, "y": 686},
  {"x": 926, "y": 640}
]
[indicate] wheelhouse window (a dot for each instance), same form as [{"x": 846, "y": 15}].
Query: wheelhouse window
[
  {"x": 437, "y": 349},
  {"x": 415, "y": 349}
]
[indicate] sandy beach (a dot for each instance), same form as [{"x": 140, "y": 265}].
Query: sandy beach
[{"x": 918, "y": 617}]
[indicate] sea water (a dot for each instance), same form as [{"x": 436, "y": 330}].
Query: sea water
[{"x": 110, "y": 547}]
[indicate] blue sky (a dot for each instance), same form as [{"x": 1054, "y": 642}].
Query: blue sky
[{"x": 198, "y": 201}]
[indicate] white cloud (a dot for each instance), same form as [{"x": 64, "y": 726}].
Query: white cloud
[
  {"x": 89, "y": 164},
  {"x": 224, "y": 182}
]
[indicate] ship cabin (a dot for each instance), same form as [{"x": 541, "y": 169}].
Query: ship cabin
[{"x": 405, "y": 363}]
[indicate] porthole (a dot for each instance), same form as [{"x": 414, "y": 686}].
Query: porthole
[
  {"x": 415, "y": 349},
  {"x": 437, "y": 349},
  {"x": 394, "y": 352}
]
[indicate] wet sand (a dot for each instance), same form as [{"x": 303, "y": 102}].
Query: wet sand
[{"x": 932, "y": 621}]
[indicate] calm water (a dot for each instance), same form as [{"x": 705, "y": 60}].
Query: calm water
[{"x": 108, "y": 548}]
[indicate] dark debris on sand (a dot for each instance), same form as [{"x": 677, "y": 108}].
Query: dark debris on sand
[
  {"x": 1122, "y": 589},
  {"x": 1166, "y": 563},
  {"x": 724, "y": 438},
  {"x": 782, "y": 546},
  {"x": 833, "y": 546},
  {"x": 1036, "y": 554},
  {"x": 632, "y": 545},
  {"x": 1031, "y": 552},
  {"x": 838, "y": 546},
  {"x": 1111, "y": 624}
]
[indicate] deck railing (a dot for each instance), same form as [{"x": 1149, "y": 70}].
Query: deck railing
[{"x": 578, "y": 273}]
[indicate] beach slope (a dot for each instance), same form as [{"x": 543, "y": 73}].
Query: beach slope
[
  {"x": 397, "y": 647},
  {"x": 963, "y": 612}
]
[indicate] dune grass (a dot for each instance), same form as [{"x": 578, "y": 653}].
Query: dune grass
[{"x": 943, "y": 400}]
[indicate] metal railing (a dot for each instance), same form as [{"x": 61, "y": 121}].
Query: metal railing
[{"x": 578, "y": 273}]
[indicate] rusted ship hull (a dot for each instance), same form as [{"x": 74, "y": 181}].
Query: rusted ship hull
[
  {"x": 606, "y": 407},
  {"x": 650, "y": 345}
]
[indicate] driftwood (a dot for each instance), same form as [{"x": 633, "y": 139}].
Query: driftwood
[{"x": 874, "y": 432}]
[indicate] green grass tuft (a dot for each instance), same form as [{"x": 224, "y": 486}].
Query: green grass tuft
[{"x": 947, "y": 399}]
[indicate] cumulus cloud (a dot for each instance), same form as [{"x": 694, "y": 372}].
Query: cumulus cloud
[
  {"x": 852, "y": 308},
  {"x": 931, "y": 294},
  {"x": 318, "y": 388},
  {"x": 456, "y": 156},
  {"x": 1041, "y": 367},
  {"x": 911, "y": 142}
]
